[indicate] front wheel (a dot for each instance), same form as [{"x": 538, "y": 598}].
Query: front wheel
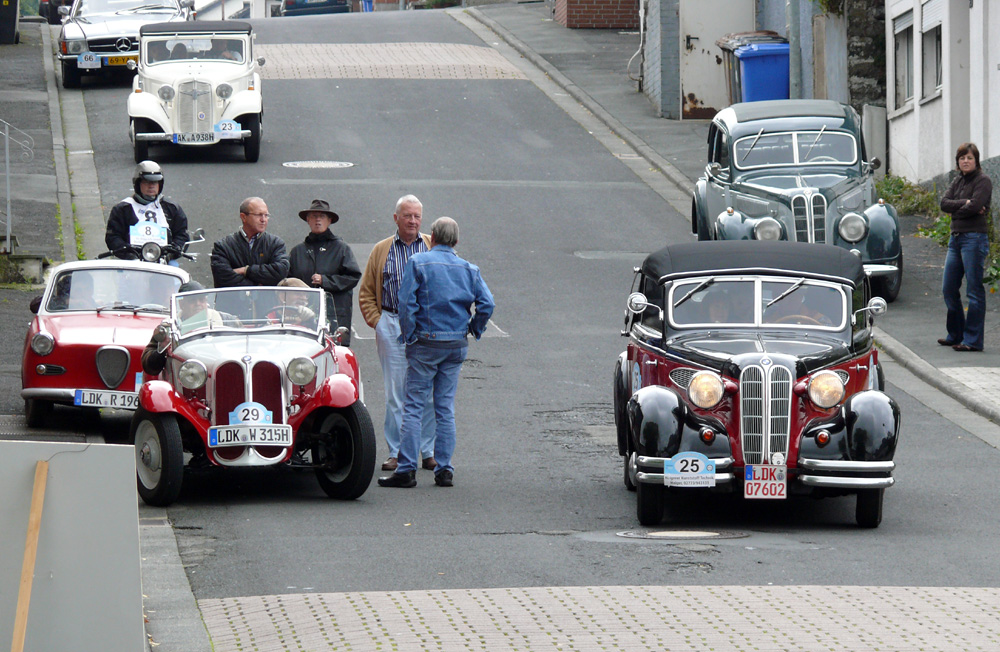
[
  {"x": 868, "y": 512},
  {"x": 649, "y": 503},
  {"x": 251, "y": 144},
  {"x": 70, "y": 75},
  {"x": 344, "y": 452},
  {"x": 36, "y": 411},
  {"x": 626, "y": 474},
  {"x": 888, "y": 287},
  {"x": 140, "y": 147},
  {"x": 159, "y": 457}
]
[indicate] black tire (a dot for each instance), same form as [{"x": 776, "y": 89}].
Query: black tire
[
  {"x": 698, "y": 225},
  {"x": 345, "y": 452},
  {"x": 140, "y": 147},
  {"x": 159, "y": 457},
  {"x": 888, "y": 287},
  {"x": 879, "y": 378},
  {"x": 868, "y": 512},
  {"x": 649, "y": 503},
  {"x": 36, "y": 411},
  {"x": 70, "y": 75},
  {"x": 626, "y": 476},
  {"x": 251, "y": 144}
]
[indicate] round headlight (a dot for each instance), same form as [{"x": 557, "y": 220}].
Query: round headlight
[
  {"x": 224, "y": 91},
  {"x": 42, "y": 343},
  {"x": 192, "y": 374},
  {"x": 853, "y": 227},
  {"x": 166, "y": 92},
  {"x": 150, "y": 252},
  {"x": 301, "y": 371},
  {"x": 826, "y": 389},
  {"x": 705, "y": 389},
  {"x": 767, "y": 229}
]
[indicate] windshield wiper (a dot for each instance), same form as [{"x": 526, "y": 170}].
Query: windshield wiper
[
  {"x": 141, "y": 8},
  {"x": 784, "y": 294},
  {"x": 750, "y": 149},
  {"x": 818, "y": 136},
  {"x": 119, "y": 306},
  {"x": 698, "y": 288}
]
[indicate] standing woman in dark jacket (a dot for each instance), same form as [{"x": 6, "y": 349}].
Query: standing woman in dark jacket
[
  {"x": 325, "y": 260},
  {"x": 968, "y": 203}
]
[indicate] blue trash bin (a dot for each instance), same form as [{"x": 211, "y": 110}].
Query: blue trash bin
[{"x": 764, "y": 71}]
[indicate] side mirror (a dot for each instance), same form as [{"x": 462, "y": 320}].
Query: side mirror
[
  {"x": 35, "y": 304},
  {"x": 187, "y": 4},
  {"x": 875, "y": 163},
  {"x": 876, "y": 306},
  {"x": 199, "y": 236},
  {"x": 339, "y": 334},
  {"x": 131, "y": 64},
  {"x": 714, "y": 169},
  {"x": 261, "y": 61},
  {"x": 64, "y": 10},
  {"x": 161, "y": 335}
]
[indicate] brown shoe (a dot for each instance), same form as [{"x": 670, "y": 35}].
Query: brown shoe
[
  {"x": 390, "y": 464},
  {"x": 429, "y": 463}
]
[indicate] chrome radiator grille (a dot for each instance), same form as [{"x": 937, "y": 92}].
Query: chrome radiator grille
[
  {"x": 765, "y": 412},
  {"x": 810, "y": 218},
  {"x": 194, "y": 107}
]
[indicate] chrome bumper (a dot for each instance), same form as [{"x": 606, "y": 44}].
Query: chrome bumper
[
  {"x": 159, "y": 136},
  {"x": 49, "y": 394},
  {"x": 872, "y": 269},
  {"x": 843, "y": 474}
]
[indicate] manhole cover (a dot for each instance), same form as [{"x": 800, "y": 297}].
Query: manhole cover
[
  {"x": 680, "y": 535},
  {"x": 317, "y": 164}
]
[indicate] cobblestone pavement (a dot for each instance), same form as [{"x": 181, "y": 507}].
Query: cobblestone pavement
[{"x": 769, "y": 618}]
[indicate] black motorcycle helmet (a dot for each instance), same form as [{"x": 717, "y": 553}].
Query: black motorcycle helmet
[{"x": 146, "y": 171}]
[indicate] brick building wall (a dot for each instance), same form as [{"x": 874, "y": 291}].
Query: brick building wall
[{"x": 598, "y": 14}]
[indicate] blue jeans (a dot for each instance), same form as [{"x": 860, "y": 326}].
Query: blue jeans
[
  {"x": 430, "y": 369},
  {"x": 967, "y": 254},
  {"x": 392, "y": 355}
]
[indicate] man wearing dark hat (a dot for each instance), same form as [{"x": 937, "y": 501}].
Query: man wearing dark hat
[{"x": 325, "y": 261}]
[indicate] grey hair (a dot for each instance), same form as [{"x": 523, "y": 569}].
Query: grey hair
[
  {"x": 245, "y": 205},
  {"x": 406, "y": 199},
  {"x": 445, "y": 231}
]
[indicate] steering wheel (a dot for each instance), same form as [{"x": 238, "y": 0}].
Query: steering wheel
[
  {"x": 293, "y": 314},
  {"x": 798, "y": 319},
  {"x": 823, "y": 159}
]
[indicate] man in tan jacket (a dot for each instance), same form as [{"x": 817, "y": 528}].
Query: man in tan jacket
[{"x": 378, "y": 299}]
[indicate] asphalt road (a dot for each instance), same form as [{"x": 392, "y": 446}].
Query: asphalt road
[{"x": 555, "y": 221}]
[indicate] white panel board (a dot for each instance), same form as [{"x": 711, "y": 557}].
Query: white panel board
[{"x": 87, "y": 593}]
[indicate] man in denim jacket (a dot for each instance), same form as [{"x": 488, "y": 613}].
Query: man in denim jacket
[{"x": 436, "y": 298}]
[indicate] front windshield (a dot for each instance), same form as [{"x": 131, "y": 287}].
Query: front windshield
[
  {"x": 756, "y": 302},
  {"x": 112, "y": 289},
  {"x": 248, "y": 309},
  {"x": 817, "y": 147},
  {"x": 214, "y": 48},
  {"x": 124, "y": 6}
]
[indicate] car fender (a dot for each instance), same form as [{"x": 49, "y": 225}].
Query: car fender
[
  {"x": 656, "y": 419},
  {"x": 872, "y": 419},
  {"x": 243, "y": 103},
  {"x": 147, "y": 105},
  {"x": 338, "y": 390},
  {"x": 159, "y": 396},
  {"x": 620, "y": 401},
  {"x": 734, "y": 226},
  {"x": 883, "y": 242}
]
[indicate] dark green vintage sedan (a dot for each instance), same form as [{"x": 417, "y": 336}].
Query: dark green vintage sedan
[{"x": 797, "y": 170}]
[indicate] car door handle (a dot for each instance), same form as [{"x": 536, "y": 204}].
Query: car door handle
[{"x": 651, "y": 363}]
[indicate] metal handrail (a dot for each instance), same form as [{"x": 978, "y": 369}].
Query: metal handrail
[{"x": 27, "y": 144}]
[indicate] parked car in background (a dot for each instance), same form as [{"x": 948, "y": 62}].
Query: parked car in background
[
  {"x": 90, "y": 326},
  {"x": 253, "y": 378},
  {"x": 198, "y": 84},
  {"x": 750, "y": 370},
  {"x": 797, "y": 170},
  {"x": 100, "y": 35},
  {"x": 307, "y": 7}
]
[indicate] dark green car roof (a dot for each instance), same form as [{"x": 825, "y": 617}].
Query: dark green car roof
[{"x": 196, "y": 27}]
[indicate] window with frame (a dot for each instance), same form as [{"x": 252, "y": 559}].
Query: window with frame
[
  {"x": 931, "y": 13},
  {"x": 902, "y": 28}
]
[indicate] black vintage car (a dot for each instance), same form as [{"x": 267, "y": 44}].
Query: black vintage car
[
  {"x": 797, "y": 170},
  {"x": 750, "y": 368}
]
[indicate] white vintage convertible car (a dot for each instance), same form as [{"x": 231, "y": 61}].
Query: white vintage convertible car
[{"x": 198, "y": 84}]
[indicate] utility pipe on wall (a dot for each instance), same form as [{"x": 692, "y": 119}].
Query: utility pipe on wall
[{"x": 794, "y": 49}]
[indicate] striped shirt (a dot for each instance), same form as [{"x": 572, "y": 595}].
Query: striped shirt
[{"x": 395, "y": 263}]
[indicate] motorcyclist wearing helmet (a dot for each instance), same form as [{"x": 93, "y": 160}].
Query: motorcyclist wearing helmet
[{"x": 160, "y": 218}]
